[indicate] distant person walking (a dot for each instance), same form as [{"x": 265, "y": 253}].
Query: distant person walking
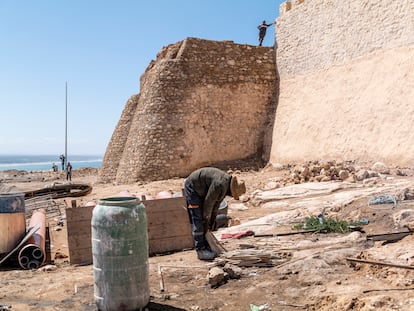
[
  {"x": 69, "y": 172},
  {"x": 54, "y": 167},
  {"x": 262, "y": 31},
  {"x": 62, "y": 158}
]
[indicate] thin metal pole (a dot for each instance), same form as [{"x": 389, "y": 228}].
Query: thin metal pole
[{"x": 66, "y": 125}]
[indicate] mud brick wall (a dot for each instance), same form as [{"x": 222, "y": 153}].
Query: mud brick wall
[{"x": 201, "y": 102}]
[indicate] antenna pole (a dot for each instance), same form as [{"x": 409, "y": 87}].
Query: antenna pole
[{"x": 66, "y": 124}]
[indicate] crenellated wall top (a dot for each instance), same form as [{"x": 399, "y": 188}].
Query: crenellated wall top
[{"x": 289, "y": 5}]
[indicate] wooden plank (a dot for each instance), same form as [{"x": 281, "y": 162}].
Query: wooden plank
[
  {"x": 214, "y": 243},
  {"x": 168, "y": 228},
  {"x": 79, "y": 213},
  {"x": 82, "y": 255},
  {"x": 79, "y": 234},
  {"x": 392, "y": 236},
  {"x": 173, "y": 215},
  {"x": 165, "y": 245},
  {"x": 82, "y": 227},
  {"x": 161, "y": 205},
  {"x": 80, "y": 241},
  {"x": 13, "y": 226},
  {"x": 168, "y": 221},
  {"x": 380, "y": 263},
  {"x": 283, "y": 233}
]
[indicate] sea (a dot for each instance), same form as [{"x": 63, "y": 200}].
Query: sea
[{"x": 35, "y": 163}]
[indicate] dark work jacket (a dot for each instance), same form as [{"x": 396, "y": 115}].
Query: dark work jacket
[
  {"x": 211, "y": 184},
  {"x": 262, "y": 29}
]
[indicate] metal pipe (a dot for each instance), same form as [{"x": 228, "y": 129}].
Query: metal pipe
[
  {"x": 66, "y": 124},
  {"x": 33, "y": 264},
  {"x": 26, "y": 255},
  {"x": 23, "y": 260},
  {"x": 34, "y": 248},
  {"x": 37, "y": 253},
  {"x": 161, "y": 278}
]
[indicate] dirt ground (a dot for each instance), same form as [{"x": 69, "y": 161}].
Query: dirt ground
[{"x": 308, "y": 271}]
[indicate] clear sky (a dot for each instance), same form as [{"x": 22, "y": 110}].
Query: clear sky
[{"x": 101, "y": 48}]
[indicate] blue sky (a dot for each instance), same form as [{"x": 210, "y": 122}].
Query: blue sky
[{"x": 101, "y": 48}]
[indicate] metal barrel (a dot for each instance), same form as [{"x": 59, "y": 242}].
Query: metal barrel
[{"x": 120, "y": 254}]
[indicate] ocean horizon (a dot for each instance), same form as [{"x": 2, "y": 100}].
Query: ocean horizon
[{"x": 35, "y": 163}]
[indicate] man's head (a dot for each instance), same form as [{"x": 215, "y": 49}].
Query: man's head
[
  {"x": 264, "y": 22},
  {"x": 237, "y": 188}
]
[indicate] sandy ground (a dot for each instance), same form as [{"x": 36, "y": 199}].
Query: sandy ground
[{"x": 309, "y": 271}]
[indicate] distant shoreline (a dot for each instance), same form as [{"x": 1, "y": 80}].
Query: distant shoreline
[{"x": 37, "y": 163}]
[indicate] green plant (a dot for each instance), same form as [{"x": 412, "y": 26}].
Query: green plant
[{"x": 326, "y": 225}]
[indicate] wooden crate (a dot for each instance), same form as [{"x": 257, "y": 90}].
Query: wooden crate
[{"x": 168, "y": 229}]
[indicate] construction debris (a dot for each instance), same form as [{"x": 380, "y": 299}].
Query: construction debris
[
  {"x": 383, "y": 199},
  {"x": 216, "y": 276},
  {"x": 389, "y": 237},
  {"x": 379, "y": 263},
  {"x": 52, "y": 207},
  {"x": 246, "y": 258},
  {"x": 214, "y": 243},
  {"x": 284, "y": 233}
]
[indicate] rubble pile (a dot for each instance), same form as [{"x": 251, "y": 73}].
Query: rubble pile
[{"x": 323, "y": 171}]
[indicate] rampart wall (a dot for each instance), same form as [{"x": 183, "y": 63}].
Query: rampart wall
[
  {"x": 346, "y": 92},
  {"x": 201, "y": 102},
  {"x": 347, "y": 81},
  {"x": 314, "y": 35}
]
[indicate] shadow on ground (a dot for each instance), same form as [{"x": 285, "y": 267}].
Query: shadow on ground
[{"x": 161, "y": 307}]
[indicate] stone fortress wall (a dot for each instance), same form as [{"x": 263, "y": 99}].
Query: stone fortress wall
[
  {"x": 201, "y": 102},
  {"x": 346, "y": 90},
  {"x": 313, "y": 35},
  {"x": 346, "y": 81}
]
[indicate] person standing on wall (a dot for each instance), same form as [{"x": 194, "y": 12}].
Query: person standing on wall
[
  {"x": 204, "y": 190},
  {"x": 262, "y": 31},
  {"x": 69, "y": 172}
]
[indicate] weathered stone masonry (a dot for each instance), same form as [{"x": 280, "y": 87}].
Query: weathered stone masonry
[
  {"x": 314, "y": 35},
  {"x": 346, "y": 81},
  {"x": 201, "y": 102},
  {"x": 346, "y": 86}
]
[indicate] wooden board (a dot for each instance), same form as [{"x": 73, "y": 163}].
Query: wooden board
[
  {"x": 13, "y": 229},
  {"x": 168, "y": 229},
  {"x": 169, "y": 226},
  {"x": 28, "y": 235},
  {"x": 79, "y": 234},
  {"x": 389, "y": 236}
]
